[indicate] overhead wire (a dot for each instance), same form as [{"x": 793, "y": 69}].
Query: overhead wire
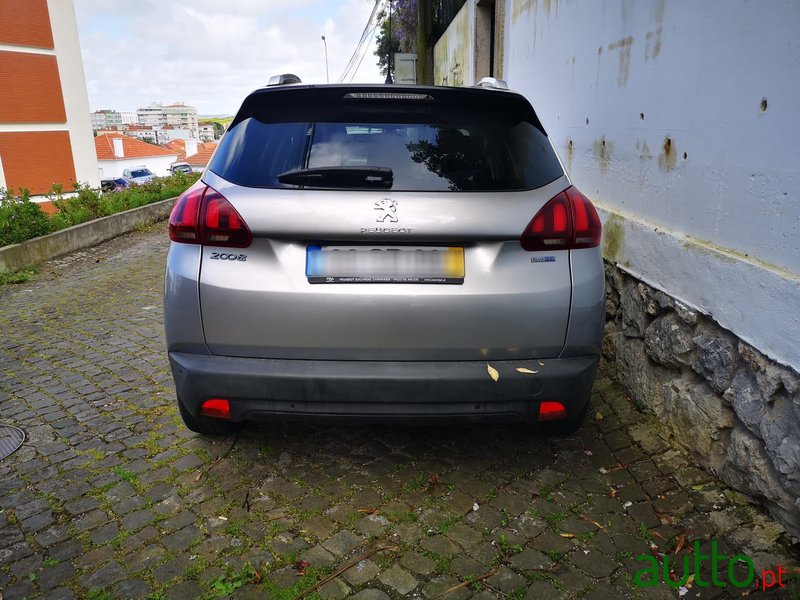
[
  {"x": 364, "y": 53},
  {"x": 354, "y": 60}
]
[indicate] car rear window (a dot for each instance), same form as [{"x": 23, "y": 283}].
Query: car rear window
[{"x": 446, "y": 141}]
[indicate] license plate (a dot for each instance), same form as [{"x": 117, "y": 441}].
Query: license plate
[{"x": 384, "y": 264}]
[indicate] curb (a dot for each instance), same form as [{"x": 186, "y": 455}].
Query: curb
[{"x": 33, "y": 252}]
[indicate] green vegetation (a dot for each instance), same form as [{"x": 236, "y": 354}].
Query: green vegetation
[
  {"x": 22, "y": 219},
  {"x": 16, "y": 277},
  {"x": 225, "y": 585},
  {"x": 124, "y": 474}
]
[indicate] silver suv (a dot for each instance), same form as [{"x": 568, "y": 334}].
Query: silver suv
[{"x": 383, "y": 252}]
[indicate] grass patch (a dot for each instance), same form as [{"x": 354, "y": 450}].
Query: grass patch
[
  {"x": 555, "y": 556},
  {"x": 554, "y": 518},
  {"x": 226, "y": 584},
  {"x": 14, "y": 277},
  {"x": 416, "y": 484},
  {"x": 125, "y": 475}
]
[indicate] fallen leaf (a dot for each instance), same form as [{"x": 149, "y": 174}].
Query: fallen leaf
[
  {"x": 593, "y": 522},
  {"x": 434, "y": 478},
  {"x": 569, "y": 536},
  {"x": 368, "y": 511},
  {"x": 493, "y": 372},
  {"x": 598, "y": 416},
  {"x": 300, "y": 567},
  {"x": 527, "y": 371},
  {"x": 612, "y": 493},
  {"x": 680, "y": 543}
]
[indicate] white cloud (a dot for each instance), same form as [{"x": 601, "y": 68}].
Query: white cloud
[{"x": 210, "y": 54}]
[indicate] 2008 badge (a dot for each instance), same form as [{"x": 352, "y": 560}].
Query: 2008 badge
[{"x": 227, "y": 256}]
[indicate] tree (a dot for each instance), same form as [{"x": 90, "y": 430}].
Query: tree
[{"x": 403, "y": 36}]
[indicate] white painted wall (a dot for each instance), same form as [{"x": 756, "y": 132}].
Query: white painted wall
[
  {"x": 73, "y": 84},
  {"x": 159, "y": 165},
  {"x": 720, "y": 228}
]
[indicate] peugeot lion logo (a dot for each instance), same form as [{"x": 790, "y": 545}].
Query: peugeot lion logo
[{"x": 388, "y": 208}]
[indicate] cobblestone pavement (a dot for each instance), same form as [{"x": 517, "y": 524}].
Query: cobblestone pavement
[{"x": 111, "y": 497}]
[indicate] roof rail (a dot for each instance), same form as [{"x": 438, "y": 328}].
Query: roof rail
[
  {"x": 284, "y": 79},
  {"x": 491, "y": 82}
]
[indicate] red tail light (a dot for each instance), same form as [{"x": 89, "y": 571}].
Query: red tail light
[
  {"x": 217, "y": 408},
  {"x": 204, "y": 216},
  {"x": 550, "y": 411},
  {"x": 568, "y": 221}
]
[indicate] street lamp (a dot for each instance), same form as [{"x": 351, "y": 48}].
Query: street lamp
[{"x": 327, "y": 76}]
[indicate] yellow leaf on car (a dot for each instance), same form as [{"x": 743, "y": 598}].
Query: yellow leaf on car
[
  {"x": 524, "y": 370},
  {"x": 493, "y": 372}
]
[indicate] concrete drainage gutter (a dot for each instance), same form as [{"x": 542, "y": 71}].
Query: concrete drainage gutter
[{"x": 85, "y": 235}]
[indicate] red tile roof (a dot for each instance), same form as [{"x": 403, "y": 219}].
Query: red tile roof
[
  {"x": 204, "y": 152},
  {"x": 178, "y": 146},
  {"x": 132, "y": 148}
]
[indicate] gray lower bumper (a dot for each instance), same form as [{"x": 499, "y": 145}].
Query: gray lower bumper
[{"x": 381, "y": 390}]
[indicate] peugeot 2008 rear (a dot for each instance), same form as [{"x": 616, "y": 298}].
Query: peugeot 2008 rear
[{"x": 365, "y": 251}]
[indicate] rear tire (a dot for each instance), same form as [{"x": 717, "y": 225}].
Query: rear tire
[{"x": 206, "y": 425}]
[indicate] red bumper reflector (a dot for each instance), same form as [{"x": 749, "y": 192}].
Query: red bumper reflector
[
  {"x": 549, "y": 411},
  {"x": 217, "y": 408}
]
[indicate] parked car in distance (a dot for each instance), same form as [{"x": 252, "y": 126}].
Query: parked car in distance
[
  {"x": 114, "y": 185},
  {"x": 180, "y": 167},
  {"x": 139, "y": 175},
  {"x": 373, "y": 252}
]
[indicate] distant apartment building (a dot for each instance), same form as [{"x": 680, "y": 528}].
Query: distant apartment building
[
  {"x": 179, "y": 115},
  {"x": 129, "y": 118},
  {"x": 106, "y": 119},
  {"x": 206, "y": 132},
  {"x": 157, "y": 134},
  {"x": 45, "y": 129}
]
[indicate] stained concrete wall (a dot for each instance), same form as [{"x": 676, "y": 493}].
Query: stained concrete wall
[
  {"x": 454, "y": 53},
  {"x": 678, "y": 120}
]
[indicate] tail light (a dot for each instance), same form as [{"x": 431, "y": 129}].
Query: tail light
[
  {"x": 218, "y": 408},
  {"x": 204, "y": 216},
  {"x": 550, "y": 411},
  {"x": 567, "y": 222}
]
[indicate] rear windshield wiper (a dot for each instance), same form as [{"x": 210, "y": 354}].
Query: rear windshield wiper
[{"x": 340, "y": 177}]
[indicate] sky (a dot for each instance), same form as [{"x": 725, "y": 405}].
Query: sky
[{"x": 211, "y": 53}]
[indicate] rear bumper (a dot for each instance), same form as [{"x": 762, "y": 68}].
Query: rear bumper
[{"x": 382, "y": 390}]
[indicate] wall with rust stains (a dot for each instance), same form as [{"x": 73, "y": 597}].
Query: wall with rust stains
[
  {"x": 453, "y": 54},
  {"x": 679, "y": 120}
]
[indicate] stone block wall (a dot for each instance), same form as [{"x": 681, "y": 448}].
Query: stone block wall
[{"x": 736, "y": 411}]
